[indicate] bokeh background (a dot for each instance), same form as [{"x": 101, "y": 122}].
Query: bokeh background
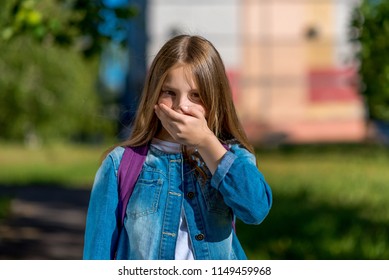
[{"x": 310, "y": 82}]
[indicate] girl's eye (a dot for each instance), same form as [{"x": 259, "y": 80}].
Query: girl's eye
[
  {"x": 168, "y": 92},
  {"x": 195, "y": 96}
]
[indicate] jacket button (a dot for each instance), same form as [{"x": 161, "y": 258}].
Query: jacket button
[
  {"x": 199, "y": 237},
  {"x": 190, "y": 195}
]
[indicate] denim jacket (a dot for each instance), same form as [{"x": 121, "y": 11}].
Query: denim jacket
[{"x": 167, "y": 184}]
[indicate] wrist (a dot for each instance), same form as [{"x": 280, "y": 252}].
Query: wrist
[
  {"x": 211, "y": 151},
  {"x": 207, "y": 140}
]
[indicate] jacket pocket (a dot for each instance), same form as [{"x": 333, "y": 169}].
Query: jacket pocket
[
  {"x": 145, "y": 197},
  {"x": 214, "y": 199}
]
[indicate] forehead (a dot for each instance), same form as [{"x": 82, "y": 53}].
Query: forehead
[{"x": 180, "y": 75}]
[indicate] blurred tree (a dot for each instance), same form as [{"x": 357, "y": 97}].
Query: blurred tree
[
  {"x": 84, "y": 24},
  {"x": 47, "y": 87},
  {"x": 48, "y": 93},
  {"x": 371, "y": 32}
]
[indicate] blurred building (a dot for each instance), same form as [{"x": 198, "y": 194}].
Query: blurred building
[{"x": 290, "y": 63}]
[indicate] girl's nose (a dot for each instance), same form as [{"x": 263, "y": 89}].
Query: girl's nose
[{"x": 180, "y": 103}]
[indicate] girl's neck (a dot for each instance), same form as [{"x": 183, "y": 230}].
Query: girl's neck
[{"x": 165, "y": 136}]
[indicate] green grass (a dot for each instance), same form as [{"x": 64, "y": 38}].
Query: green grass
[
  {"x": 330, "y": 202},
  {"x": 57, "y": 164}
]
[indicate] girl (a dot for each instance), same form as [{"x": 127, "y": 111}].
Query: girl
[{"x": 200, "y": 171}]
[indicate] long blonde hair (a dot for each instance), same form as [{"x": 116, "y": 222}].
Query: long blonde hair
[{"x": 207, "y": 68}]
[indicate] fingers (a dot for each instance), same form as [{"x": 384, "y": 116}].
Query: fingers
[
  {"x": 165, "y": 112},
  {"x": 194, "y": 112},
  {"x": 169, "y": 118}
]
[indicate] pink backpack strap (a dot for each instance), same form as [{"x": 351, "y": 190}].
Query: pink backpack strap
[{"x": 129, "y": 170}]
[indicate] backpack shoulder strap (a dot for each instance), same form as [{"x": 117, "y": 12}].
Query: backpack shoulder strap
[{"x": 128, "y": 173}]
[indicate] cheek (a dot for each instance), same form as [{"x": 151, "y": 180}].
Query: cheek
[{"x": 166, "y": 101}]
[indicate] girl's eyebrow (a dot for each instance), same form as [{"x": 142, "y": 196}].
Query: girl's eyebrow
[{"x": 168, "y": 87}]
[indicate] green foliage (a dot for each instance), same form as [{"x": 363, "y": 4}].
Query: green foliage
[
  {"x": 48, "y": 88},
  {"x": 47, "y": 93},
  {"x": 371, "y": 23},
  {"x": 67, "y": 23}
]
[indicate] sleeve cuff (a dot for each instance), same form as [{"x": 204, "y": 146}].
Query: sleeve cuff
[{"x": 222, "y": 169}]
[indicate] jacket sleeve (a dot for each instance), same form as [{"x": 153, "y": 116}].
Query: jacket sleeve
[
  {"x": 101, "y": 231},
  {"x": 242, "y": 185}
]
